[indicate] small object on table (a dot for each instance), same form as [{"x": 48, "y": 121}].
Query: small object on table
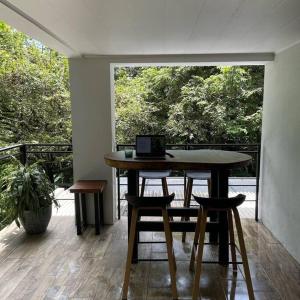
[
  {"x": 80, "y": 188},
  {"x": 128, "y": 153}
]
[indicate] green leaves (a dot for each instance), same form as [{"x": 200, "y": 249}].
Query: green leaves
[
  {"x": 190, "y": 104},
  {"x": 34, "y": 91},
  {"x": 24, "y": 188}
]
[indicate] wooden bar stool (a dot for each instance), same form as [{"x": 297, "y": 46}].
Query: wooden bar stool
[
  {"x": 80, "y": 188},
  {"x": 228, "y": 205},
  {"x": 150, "y": 203},
  {"x": 155, "y": 175},
  {"x": 191, "y": 176}
]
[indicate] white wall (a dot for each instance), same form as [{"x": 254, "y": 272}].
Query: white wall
[
  {"x": 280, "y": 171},
  {"x": 92, "y": 104},
  {"x": 92, "y": 125}
]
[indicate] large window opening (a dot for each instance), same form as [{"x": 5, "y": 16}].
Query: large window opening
[{"x": 194, "y": 107}]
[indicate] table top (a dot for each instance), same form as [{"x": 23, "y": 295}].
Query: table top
[
  {"x": 88, "y": 186},
  {"x": 182, "y": 160}
]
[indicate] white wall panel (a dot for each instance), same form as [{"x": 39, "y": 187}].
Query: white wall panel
[{"x": 280, "y": 171}]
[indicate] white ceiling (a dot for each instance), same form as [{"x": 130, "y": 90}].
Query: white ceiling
[{"x": 123, "y": 27}]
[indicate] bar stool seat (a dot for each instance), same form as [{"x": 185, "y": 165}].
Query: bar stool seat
[
  {"x": 228, "y": 205},
  {"x": 218, "y": 204},
  {"x": 145, "y": 202},
  {"x": 150, "y": 203},
  {"x": 80, "y": 189},
  {"x": 155, "y": 174},
  {"x": 198, "y": 175}
]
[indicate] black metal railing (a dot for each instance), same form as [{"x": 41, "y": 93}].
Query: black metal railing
[
  {"x": 57, "y": 161},
  {"x": 252, "y": 170},
  {"x": 54, "y": 158}
]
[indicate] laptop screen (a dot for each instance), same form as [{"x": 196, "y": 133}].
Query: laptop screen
[{"x": 150, "y": 145}]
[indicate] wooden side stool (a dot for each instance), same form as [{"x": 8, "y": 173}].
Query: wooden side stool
[
  {"x": 228, "y": 205},
  {"x": 150, "y": 203},
  {"x": 80, "y": 188}
]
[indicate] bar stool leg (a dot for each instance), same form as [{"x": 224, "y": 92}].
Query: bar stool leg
[
  {"x": 96, "y": 209},
  {"x": 232, "y": 241},
  {"x": 187, "y": 202},
  {"x": 171, "y": 258},
  {"x": 165, "y": 186},
  {"x": 196, "y": 286},
  {"x": 134, "y": 217},
  {"x": 209, "y": 187},
  {"x": 83, "y": 206},
  {"x": 243, "y": 253},
  {"x": 196, "y": 239},
  {"x": 143, "y": 186}
]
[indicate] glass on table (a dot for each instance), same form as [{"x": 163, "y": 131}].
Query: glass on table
[{"x": 128, "y": 153}]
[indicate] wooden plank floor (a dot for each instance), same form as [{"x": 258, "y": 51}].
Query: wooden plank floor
[{"x": 61, "y": 265}]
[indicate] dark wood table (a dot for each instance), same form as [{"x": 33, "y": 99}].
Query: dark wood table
[{"x": 219, "y": 162}]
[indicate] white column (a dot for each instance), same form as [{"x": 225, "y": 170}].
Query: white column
[{"x": 92, "y": 123}]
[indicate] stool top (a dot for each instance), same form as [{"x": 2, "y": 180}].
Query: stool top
[
  {"x": 88, "y": 186},
  {"x": 220, "y": 203},
  {"x": 198, "y": 175},
  {"x": 155, "y": 174}
]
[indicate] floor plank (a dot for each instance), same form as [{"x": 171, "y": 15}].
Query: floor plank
[{"x": 61, "y": 265}]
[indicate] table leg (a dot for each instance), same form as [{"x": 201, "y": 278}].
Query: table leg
[
  {"x": 83, "y": 206},
  {"x": 101, "y": 208},
  {"x": 77, "y": 214},
  {"x": 223, "y": 219},
  {"x": 213, "y": 216},
  {"x": 96, "y": 208},
  {"x": 133, "y": 189}
]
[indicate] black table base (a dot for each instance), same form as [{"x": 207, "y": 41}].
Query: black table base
[{"x": 217, "y": 227}]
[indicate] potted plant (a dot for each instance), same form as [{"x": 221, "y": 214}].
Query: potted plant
[{"x": 29, "y": 197}]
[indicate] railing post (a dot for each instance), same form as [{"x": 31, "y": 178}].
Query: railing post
[
  {"x": 23, "y": 154},
  {"x": 257, "y": 181},
  {"x": 186, "y": 147},
  {"x": 118, "y": 188},
  {"x": 119, "y": 194}
]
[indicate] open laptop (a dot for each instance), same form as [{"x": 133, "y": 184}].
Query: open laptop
[{"x": 150, "y": 147}]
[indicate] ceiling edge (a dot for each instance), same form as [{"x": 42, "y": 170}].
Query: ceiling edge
[
  {"x": 63, "y": 46},
  {"x": 188, "y": 59}
]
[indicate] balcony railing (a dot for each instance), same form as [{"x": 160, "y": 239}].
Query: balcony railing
[
  {"x": 251, "y": 170},
  {"x": 54, "y": 158},
  {"x": 57, "y": 160}
]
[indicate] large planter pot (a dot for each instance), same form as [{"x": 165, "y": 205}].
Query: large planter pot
[{"x": 36, "y": 223}]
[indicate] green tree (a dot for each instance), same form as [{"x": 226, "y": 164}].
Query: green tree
[
  {"x": 223, "y": 108},
  {"x": 34, "y": 91},
  {"x": 190, "y": 104}
]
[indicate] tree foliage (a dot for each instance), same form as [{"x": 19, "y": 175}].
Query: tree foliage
[
  {"x": 190, "y": 104},
  {"x": 34, "y": 91},
  {"x": 187, "y": 104}
]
